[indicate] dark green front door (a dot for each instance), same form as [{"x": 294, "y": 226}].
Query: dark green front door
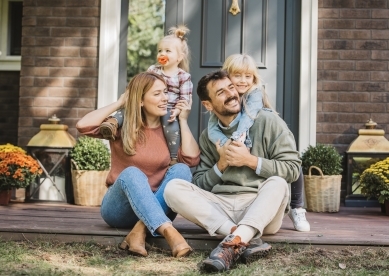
[{"x": 258, "y": 30}]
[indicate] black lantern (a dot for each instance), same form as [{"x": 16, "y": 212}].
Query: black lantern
[
  {"x": 368, "y": 148},
  {"x": 51, "y": 148}
]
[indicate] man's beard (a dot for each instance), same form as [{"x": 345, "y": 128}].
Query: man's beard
[{"x": 226, "y": 112}]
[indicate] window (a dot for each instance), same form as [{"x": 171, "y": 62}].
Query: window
[
  {"x": 146, "y": 19},
  {"x": 11, "y": 12}
]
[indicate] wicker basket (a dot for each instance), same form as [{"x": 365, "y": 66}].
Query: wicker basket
[
  {"x": 322, "y": 192},
  {"x": 88, "y": 186}
]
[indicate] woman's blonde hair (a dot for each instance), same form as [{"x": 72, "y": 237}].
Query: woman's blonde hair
[
  {"x": 243, "y": 63},
  {"x": 134, "y": 118},
  {"x": 179, "y": 34}
]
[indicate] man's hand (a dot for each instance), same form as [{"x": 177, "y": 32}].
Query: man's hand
[
  {"x": 238, "y": 155},
  {"x": 184, "y": 108},
  {"x": 222, "y": 163}
]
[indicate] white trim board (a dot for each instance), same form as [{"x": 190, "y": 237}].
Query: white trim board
[
  {"x": 308, "y": 74},
  {"x": 108, "y": 78}
]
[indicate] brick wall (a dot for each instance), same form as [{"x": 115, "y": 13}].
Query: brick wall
[
  {"x": 59, "y": 63},
  {"x": 9, "y": 106},
  {"x": 353, "y": 70}
]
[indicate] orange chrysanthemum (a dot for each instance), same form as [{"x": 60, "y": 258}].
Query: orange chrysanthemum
[{"x": 17, "y": 169}]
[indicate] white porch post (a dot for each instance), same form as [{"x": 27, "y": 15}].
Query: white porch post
[
  {"x": 109, "y": 52},
  {"x": 308, "y": 74}
]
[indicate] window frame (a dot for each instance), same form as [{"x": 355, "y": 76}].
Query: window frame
[{"x": 7, "y": 62}]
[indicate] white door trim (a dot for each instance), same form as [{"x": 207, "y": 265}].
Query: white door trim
[
  {"x": 108, "y": 77},
  {"x": 308, "y": 74}
]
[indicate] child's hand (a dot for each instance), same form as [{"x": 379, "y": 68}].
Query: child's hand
[{"x": 175, "y": 112}]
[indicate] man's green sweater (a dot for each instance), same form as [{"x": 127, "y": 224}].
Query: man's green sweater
[{"x": 272, "y": 141}]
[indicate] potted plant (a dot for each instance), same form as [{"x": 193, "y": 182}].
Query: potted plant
[
  {"x": 374, "y": 183},
  {"x": 17, "y": 170},
  {"x": 90, "y": 159},
  {"x": 322, "y": 165}
]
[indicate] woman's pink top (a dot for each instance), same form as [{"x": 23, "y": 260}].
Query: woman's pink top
[{"x": 152, "y": 157}]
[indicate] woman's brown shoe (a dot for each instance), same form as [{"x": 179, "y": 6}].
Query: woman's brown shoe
[
  {"x": 177, "y": 243},
  {"x": 135, "y": 242}
]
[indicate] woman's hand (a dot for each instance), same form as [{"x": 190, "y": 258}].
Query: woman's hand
[
  {"x": 189, "y": 145},
  {"x": 122, "y": 99},
  {"x": 96, "y": 117},
  {"x": 185, "y": 108}
]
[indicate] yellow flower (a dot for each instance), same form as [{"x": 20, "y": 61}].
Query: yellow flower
[
  {"x": 375, "y": 179},
  {"x": 11, "y": 148}
]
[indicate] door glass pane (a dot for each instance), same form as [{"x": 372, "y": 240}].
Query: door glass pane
[
  {"x": 15, "y": 12},
  {"x": 146, "y": 19}
]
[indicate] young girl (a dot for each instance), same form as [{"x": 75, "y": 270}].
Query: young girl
[
  {"x": 173, "y": 66},
  {"x": 243, "y": 73}
]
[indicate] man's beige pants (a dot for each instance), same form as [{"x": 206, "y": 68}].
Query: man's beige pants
[{"x": 263, "y": 211}]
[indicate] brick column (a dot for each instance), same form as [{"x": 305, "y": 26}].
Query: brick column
[
  {"x": 352, "y": 69},
  {"x": 59, "y": 63}
]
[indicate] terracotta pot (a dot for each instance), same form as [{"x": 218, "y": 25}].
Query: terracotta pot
[
  {"x": 385, "y": 207},
  {"x": 5, "y": 196}
]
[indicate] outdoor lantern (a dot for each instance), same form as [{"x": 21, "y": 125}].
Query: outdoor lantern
[
  {"x": 51, "y": 148},
  {"x": 368, "y": 148}
]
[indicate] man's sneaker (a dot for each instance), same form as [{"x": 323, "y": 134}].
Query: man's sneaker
[
  {"x": 225, "y": 255},
  {"x": 109, "y": 128},
  {"x": 300, "y": 223},
  {"x": 257, "y": 249}
]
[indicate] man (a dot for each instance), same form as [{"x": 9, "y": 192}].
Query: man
[{"x": 237, "y": 193}]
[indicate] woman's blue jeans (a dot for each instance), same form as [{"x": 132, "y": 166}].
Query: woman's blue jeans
[{"x": 131, "y": 199}]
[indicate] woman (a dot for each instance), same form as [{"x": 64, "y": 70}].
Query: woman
[{"x": 140, "y": 163}]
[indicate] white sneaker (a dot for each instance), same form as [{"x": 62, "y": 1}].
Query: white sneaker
[{"x": 299, "y": 221}]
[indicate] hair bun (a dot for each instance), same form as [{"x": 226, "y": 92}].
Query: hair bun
[{"x": 179, "y": 31}]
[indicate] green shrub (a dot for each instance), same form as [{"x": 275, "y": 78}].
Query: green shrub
[
  {"x": 375, "y": 181},
  {"x": 326, "y": 157},
  {"x": 91, "y": 154}
]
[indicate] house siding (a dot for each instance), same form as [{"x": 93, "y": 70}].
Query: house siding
[
  {"x": 59, "y": 66},
  {"x": 353, "y": 69}
]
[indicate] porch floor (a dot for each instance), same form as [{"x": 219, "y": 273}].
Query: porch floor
[{"x": 351, "y": 226}]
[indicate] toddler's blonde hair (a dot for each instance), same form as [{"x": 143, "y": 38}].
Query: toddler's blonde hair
[
  {"x": 243, "y": 63},
  {"x": 179, "y": 34}
]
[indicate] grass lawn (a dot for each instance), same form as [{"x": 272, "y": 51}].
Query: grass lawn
[{"x": 51, "y": 258}]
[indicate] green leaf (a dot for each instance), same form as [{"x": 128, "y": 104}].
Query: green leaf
[
  {"x": 91, "y": 154},
  {"x": 326, "y": 157}
]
